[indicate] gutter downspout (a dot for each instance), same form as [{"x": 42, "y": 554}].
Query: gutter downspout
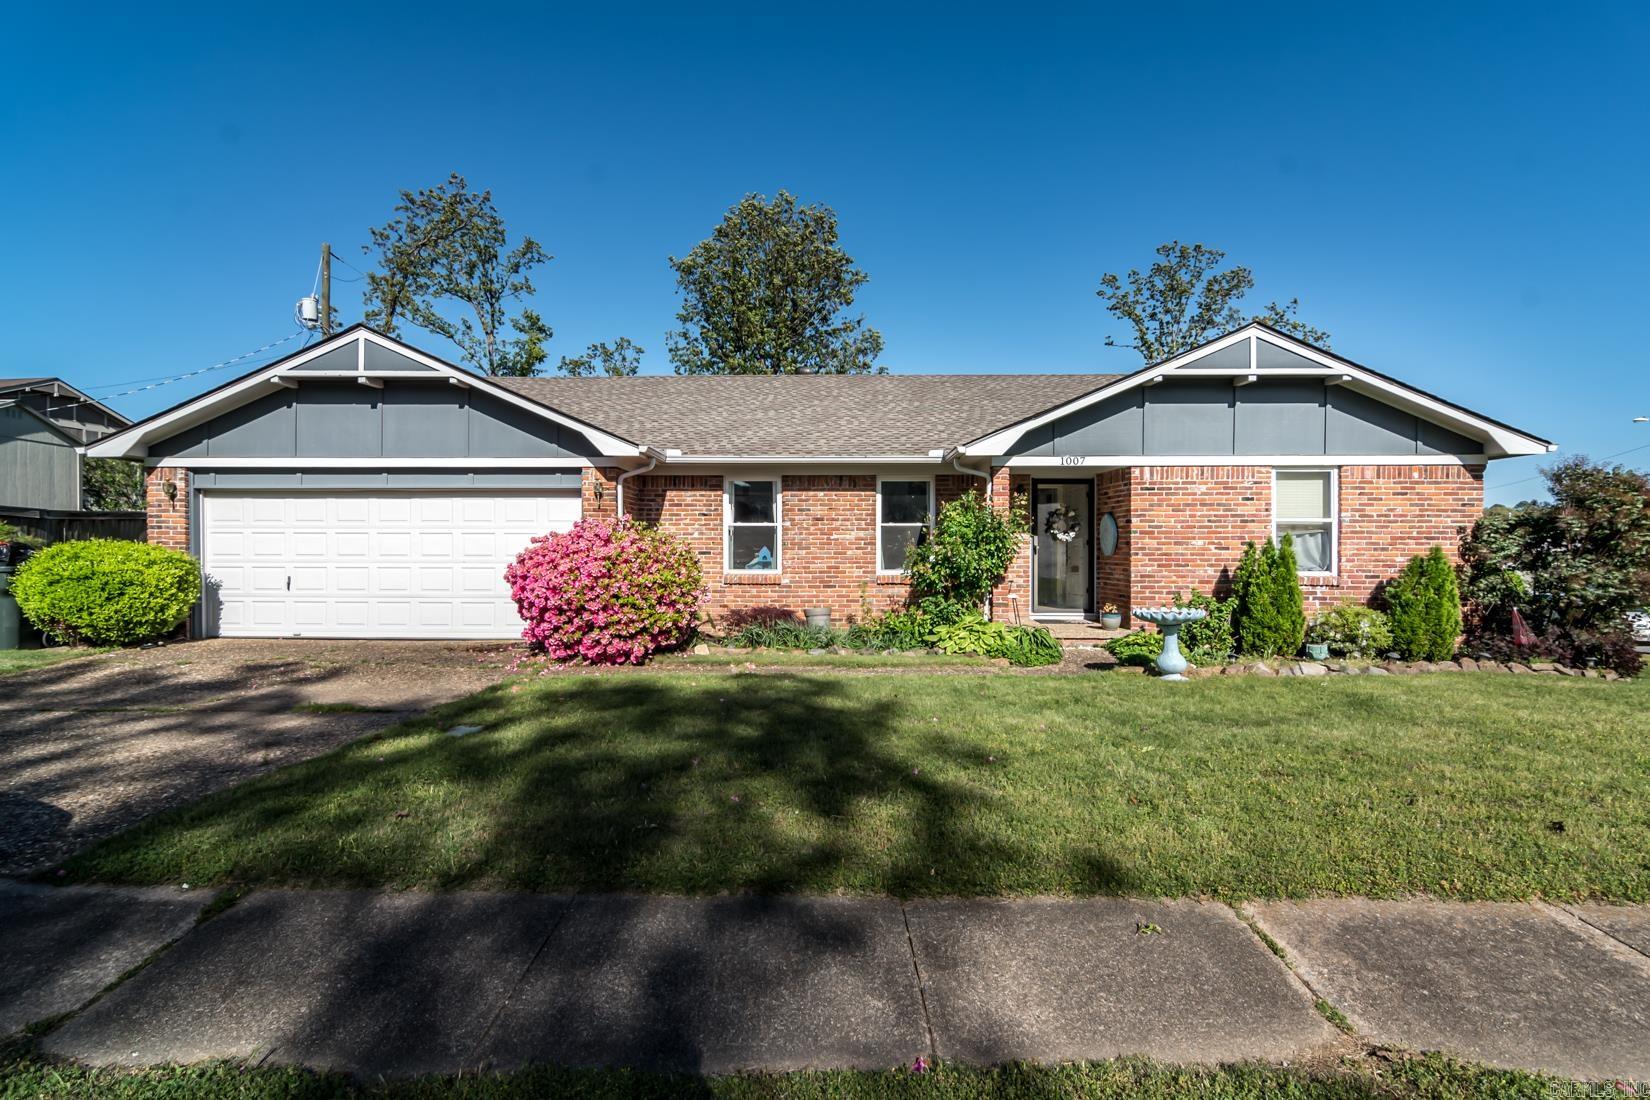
[
  {"x": 955, "y": 455},
  {"x": 653, "y": 457}
]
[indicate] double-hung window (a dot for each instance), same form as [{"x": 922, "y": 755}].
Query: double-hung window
[
  {"x": 905, "y": 511},
  {"x": 751, "y": 518},
  {"x": 1304, "y": 507}
]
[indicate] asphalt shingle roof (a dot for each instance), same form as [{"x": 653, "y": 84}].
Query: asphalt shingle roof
[{"x": 806, "y": 415}]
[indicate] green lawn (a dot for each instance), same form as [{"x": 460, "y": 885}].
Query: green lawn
[
  {"x": 1422, "y": 1079},
  {"x": 21, "y": 660},
  {"x": 801, "y": 658},
  {"x": 1463, "y": 785}
]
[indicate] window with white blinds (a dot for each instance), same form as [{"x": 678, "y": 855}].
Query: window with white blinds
[{"x": 1304, "y": 507}]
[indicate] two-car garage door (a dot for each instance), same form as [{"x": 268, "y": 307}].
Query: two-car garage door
[{"x": 380, "y": 565}]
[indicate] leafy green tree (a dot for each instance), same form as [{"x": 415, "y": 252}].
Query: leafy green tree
[
  {"x": 766, "y": 292},
  {"x": 1424, "y": 608},
  {"x": 620, "y": 359},
  {"x": 1572, "y": 567},
  {"x": 112, "y": 485},
  {"x": 972, "y": 545},
  {"x": 1270, "y": 616},
  {"x": 446, "y": 250},
  {"x": 1183, "y": 301}
]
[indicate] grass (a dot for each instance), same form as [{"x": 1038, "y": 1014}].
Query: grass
[
  {"x": 914, "y": 785},
  {"x": 21, "y": 660},
  {"x": 1428, "y": 1078},
  {"x": 801, "y": 658}
]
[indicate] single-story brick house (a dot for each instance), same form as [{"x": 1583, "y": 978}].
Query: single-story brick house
[{"x": 365, "y": 488}]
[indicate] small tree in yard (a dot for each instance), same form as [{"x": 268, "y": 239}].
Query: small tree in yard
[
  {"x": 1424, "y": 608},
  {"x": 1270, "y": 618},
  {"x": 954, "y": 569},
  {"x": 1573, "y": 567}
]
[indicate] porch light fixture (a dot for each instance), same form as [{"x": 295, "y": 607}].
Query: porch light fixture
[{"x": 170, "y": 488}]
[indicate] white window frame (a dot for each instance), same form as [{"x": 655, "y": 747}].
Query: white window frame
[
  {"x": 881, "y": 572},
  {"x": 778, "y": 525},
  {"x": 1333, "y": 518}
]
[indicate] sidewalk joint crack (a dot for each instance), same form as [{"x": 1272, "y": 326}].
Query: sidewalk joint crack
[{"x": 922, "y": 986}]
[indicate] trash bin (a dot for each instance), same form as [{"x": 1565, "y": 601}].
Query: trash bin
[{"x": 11, "y": 623}]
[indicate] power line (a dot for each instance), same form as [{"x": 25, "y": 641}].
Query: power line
[
  {"x": 204, "y": 370},
  {"x": 1538, "y": 477}
]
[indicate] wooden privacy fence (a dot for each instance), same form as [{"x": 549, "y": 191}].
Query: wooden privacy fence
[{"x": 50, "y": 526}]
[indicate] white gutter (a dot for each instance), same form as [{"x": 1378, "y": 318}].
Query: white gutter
[
  {"x": 618, "y": 486},
  {"x": 956, "y": 461}
]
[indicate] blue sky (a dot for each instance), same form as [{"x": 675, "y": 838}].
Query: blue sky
[{"x": 1457, "y": 192}]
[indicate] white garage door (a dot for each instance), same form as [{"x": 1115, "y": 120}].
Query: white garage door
[{"x": 389, "y": 565}]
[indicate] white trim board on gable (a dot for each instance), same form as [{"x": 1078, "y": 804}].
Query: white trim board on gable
[
  {"x": 1499, "y": 440},
  {"x": 134, "y": 442}
]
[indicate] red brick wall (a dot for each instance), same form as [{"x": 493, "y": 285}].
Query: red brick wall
[
  {"x": 1011, "y": 600},
  {"x": 1189, "y": 525},
  {"x": 1391, "y": 513},
  {"x": 598, "y": 491},
  {"x": 827, "y": 548},
  {"x": 168, "y": 516},
  {"x": 1180, "y": 529},
  {"x": 1112, "y": 574}
]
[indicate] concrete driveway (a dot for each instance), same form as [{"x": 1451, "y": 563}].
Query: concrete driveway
[{"x": 91, "y": 746}]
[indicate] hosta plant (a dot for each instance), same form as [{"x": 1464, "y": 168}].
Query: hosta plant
[{"x": 607, "y": 592}]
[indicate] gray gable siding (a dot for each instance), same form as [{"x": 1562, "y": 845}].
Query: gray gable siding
[
  {"x": 38, "y": 469},
  {"x": 1285, "y": 416},
  {"x": 405, "y": 419}
]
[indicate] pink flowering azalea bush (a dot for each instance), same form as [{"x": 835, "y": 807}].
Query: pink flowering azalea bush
[{"x": 607, "y": 592}]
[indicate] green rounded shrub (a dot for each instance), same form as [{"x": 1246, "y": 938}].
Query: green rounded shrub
[
  {"x": 107, "y": 591},
  {"x": 1352, "y": 630}
]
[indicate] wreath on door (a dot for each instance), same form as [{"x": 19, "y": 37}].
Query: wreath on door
[{"x": 1062, "y": 522}]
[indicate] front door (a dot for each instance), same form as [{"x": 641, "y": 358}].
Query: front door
[{"x": 1062, "y": 547}]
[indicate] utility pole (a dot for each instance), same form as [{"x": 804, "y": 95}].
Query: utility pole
[{"x": 326, "y": 290}]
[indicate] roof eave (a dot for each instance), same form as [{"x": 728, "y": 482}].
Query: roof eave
[{"x": 1500, "y": 440}]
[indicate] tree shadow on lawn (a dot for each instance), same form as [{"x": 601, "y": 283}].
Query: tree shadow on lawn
[{"x": 772, "y": 784}]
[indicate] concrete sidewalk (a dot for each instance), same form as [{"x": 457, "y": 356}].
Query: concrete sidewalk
[{"x": 381, "y": 983}]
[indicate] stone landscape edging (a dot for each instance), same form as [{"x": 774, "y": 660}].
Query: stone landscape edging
[{"x": 1294, "y": 667}]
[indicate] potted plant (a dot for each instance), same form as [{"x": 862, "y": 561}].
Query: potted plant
[{"x": 1110, "y": 617}]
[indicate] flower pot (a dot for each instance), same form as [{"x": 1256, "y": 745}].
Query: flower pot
[
  {"x": 1112, "y": 620},
  {"x": 1318, "y": 651},
  {"x": 819, "y": 618}
]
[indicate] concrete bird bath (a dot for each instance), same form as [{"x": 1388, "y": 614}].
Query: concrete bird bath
[{"x": 1171, "y": 662}]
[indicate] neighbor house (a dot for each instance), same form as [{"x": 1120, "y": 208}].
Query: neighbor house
[
  {"x": 365, "y": 488},
  {"x": 43, "y": 423}
]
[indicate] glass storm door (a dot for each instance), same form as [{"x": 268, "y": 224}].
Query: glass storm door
[{"x": 1062, "y": 546}]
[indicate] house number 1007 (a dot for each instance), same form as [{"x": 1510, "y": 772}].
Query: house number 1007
[{"x": 1073, "y": 460}]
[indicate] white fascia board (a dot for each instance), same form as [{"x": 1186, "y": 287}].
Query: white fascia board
[
  {"x": 998, "y": 442},
  {"x": 1500, "y": 441},
  {"x": 205, "y": 463},
  {"x": 1107, "y": 462},
  {"x": 1503, "y": 442},
  {"x": 134, "y": 441}
]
